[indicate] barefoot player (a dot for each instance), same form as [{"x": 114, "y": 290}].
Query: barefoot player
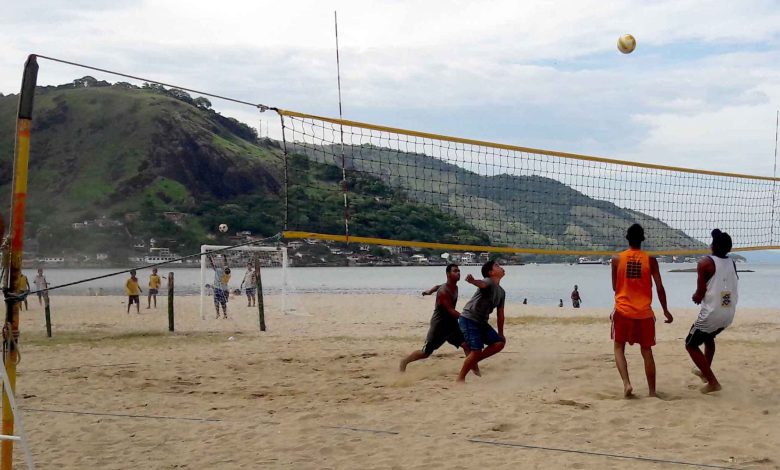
[
  {"x": 473, "y": 320},
  {"x": 716, "y": 292},
  {"x": 444, "y": 322},
  {"x": 633, "y": 321}
]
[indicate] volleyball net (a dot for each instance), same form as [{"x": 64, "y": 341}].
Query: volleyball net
[{"x": 379, "y": 183}]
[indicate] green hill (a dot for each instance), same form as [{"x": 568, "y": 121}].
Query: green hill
[{"x": 132, "y": 154}]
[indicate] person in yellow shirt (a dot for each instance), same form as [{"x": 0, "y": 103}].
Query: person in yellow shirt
[
  {"x": 133, "y": 293},
  {"x": 24, "y": 286},
  {"x": 154, "y": 286}
]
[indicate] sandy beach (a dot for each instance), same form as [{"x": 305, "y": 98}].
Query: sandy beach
[{"x": 321, "y": 389}]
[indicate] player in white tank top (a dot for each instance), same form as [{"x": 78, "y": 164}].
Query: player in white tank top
[
  {"x": 720, "y": 300},
  {"x": 717, "y": 292}
]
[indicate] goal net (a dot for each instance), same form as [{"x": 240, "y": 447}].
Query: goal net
[{"x": 273, "y": 272}]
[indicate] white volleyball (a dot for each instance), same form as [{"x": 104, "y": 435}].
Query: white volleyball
[{"x": 626, "y": 44}]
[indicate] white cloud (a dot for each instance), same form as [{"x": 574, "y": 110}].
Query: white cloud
[{"x": 702, "y": 84}]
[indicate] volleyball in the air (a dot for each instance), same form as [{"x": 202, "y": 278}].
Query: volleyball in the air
[
  {"x": 223, "y": 228},
  {"x": 626, "y": 44}
]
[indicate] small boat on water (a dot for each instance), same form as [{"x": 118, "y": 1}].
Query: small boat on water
[{"x": 586, "y": 260}]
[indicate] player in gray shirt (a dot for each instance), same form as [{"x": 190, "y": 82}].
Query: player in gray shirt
[{"x": 473, "y": 320}]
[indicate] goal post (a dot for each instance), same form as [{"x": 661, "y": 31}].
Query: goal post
[{"x": 238, "y": 258}]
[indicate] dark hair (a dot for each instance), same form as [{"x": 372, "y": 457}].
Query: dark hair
[
  {"x": 721, "y": 243},
  {"x": 227, "y": 270},
  {"x": 487, "y": 267},
  {"x": 635, "y": 235},
  {"x": 450, "y": 266}
]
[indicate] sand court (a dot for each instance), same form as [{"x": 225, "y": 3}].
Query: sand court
[{"x": 321, "y": 390}]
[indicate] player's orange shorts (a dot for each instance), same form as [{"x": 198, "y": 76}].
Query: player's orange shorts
[{"x": 630, "y": 330}]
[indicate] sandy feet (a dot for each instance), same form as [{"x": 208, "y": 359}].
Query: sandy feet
[
  {"x": 709, "y": 388},
  {"x": 695, "y": 371}
]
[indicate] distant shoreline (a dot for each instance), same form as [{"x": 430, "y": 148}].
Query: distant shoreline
[{"x": 693, "y": 270}]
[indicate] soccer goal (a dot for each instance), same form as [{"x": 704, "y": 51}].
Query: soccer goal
[{"x": 272, "y": 268}]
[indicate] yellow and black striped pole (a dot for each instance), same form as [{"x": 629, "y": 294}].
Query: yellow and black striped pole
[{"x": 11, "y": 326}]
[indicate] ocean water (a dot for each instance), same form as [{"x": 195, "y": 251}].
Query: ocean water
[{"x": 542, "y": 284}]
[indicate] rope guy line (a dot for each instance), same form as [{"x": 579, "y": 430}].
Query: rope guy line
[{"x": 260, "y": 106}]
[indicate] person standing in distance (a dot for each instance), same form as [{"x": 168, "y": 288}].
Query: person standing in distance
[
  {"x": 154, "y": 286},
  {"x": 633, "y": 320},
  {"x": 575, "y": 297}
]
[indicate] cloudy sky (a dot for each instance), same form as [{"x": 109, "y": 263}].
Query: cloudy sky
[{"x": 701, "y": 90}]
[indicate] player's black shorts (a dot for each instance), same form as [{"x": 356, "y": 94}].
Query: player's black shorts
[
  {"x": 443, "y": 329},
  {"x": 133, "y": 299},
  {"x": 696, "y": 337},
  {"x": 221, "y": 296}
]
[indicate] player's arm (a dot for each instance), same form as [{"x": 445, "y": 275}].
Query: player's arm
[
  {"x": 704, "y": 271},
  {"x": 500, "y": 322},
  {"x": 615, "y": 262},
  {"x": 479, "y": 283},
  {"x": 431, "y": 290},
  {"x": 659, "y": 287},
  {"x": 446, "y": 301}
]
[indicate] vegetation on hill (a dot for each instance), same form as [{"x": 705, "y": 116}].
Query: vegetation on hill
[{"x": 169, "y": 167}]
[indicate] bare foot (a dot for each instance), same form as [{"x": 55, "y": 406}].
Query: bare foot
[
  {"x": 460, "y": 381},
  {"x": 628, "y": 390},
  {"x": 695, "y": 371},
  {"x": 402, "y": 366},
  {"x": 709, "y": 388},
  {"x": 476, "y": 371},
  {"x": 652, "y": 395}
]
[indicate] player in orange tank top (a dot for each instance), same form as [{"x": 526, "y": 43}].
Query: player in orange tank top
[{"x": 633, "y": 321}]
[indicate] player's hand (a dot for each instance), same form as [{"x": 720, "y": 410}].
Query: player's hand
[
  {"x": 469, "y": 278},
  {"x": 669, "y": 317},
  {"x": 696, "y": 299},
  {"x": 425, "y": 292}
]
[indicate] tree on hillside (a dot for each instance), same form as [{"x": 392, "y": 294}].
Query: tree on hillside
[
  {"x": 89, "y": 81},
  {"x": 202, "y": 102}
]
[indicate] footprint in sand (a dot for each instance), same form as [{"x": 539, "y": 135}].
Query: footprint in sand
[
  {"x": 582, "y": 406},
  {"x": 501, "y": 427}
]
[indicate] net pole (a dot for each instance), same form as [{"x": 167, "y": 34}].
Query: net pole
[
  {"x": 170, "y": 302},
  {"x": 774, "y": 183},
  {"x": 344, "y": 186},
  {"x": 18, "y": 206},
  {"x": 259, "y": 287},
  {"x": 202, "y": 281},
  {"x": 47, "y": 312},
  {"x": 284, "y": 281},
  {"x": 286, "y": 176}
]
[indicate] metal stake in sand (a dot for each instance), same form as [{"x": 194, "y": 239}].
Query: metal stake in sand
[
  {"x": 11, "y": 327},
  {"x": 47, "y": 311},
  {"x": 260, "y": 305},
  {"x": 170, "y": 301}
]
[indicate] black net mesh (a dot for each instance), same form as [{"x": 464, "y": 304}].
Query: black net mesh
[{"x": 406, "y": 185}]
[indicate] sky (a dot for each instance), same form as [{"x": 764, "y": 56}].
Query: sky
[{"x": 701, "y": 90}]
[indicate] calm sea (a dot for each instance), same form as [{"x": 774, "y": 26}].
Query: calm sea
[{"x": 542, "y": 284}]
